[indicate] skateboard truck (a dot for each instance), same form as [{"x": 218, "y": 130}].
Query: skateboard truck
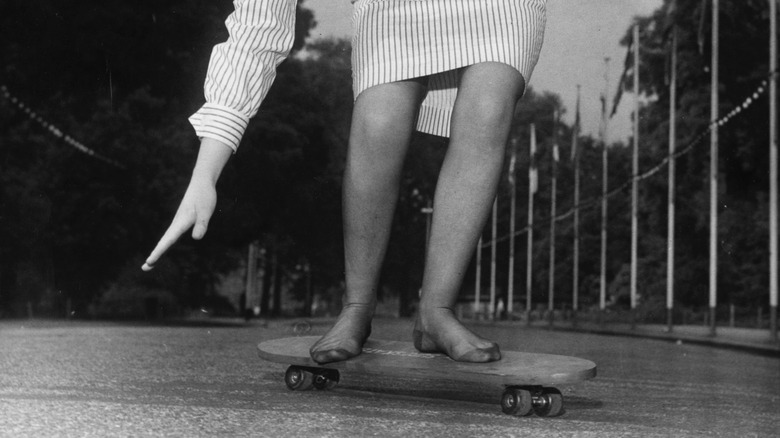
[
  {"x": 520, "y": 401},
  {"x": 302, "y": 378}
]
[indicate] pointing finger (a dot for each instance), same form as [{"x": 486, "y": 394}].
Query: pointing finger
[{"x": 177, "y": 228}]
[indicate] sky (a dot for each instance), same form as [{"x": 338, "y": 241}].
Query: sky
[{"x": 580, "y": 34}]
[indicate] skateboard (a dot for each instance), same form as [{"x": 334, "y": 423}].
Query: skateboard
[{"x": 527, "y": 378}]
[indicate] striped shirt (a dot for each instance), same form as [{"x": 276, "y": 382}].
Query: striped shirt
[
  {"x": 242, "y": 69},
  {"x": 394, "y": 40}
]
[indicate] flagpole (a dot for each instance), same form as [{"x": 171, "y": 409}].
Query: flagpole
[
  {"x": 530, "y": 245},
  {"x": 576, "y": 158},
  {"x": 493, "y": 260},
  {"x": 714, "y": 171},
  {"x": 604, "y": 202},
  {"x": 773, "y": 280},
  {"x": 251, "y": 278},
  {"x": 478, "y": 282},
  {"x": 671, "y": 187},
  {"x": 553, "y": 212},
  {"x": 635, "y": 182},
  {"x": 512, "y": 212}
]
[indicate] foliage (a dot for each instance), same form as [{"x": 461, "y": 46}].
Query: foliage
[
  {"x": 122, "y": 77},
  {"x": 743, "y": 181},
  {"x": 743, "y": 148},
  {"x": 743, "y": 173}
]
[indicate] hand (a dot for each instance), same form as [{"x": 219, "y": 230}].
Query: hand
[
  {"x": 199, "y": 200},
  {"x": 194, "y": 212}
]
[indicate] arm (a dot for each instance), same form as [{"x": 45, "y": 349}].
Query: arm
[
  {"x": 241, "y": 71},
  {"x": 199, "y": 200}
]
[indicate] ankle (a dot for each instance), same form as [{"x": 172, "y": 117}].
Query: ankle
[
  {"x": 362, "y": 308},
  {"x": 359, "y": 304},
  {"x": 426, "y": 314}
]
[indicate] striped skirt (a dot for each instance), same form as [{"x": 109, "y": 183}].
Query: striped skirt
[{"x": 396, "y": 40}]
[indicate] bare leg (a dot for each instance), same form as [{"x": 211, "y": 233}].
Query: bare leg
[
  {"x": 382, "y": 125},
  {"x": 465, "y": 191}
]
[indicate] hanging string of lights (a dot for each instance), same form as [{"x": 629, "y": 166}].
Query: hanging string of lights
[
  {"x": 752, "y": 98},
  {"x": 54, "y": 130}
]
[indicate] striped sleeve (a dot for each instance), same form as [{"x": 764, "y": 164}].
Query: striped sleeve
[{"x": 242, "y": 69}]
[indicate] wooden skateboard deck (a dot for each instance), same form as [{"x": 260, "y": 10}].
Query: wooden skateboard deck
[{"x": 526, "y": 376}]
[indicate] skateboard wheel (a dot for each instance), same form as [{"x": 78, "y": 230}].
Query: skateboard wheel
[
  {"x": 298, "y": 379},
  {"x": 517, "y": 401},
  {"x": 549, "y": 403},
  {"x": 325, "y": 379}
]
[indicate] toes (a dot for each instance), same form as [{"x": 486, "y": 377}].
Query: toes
[
  {"x": 481, "y": 355},
  {"x": 457, "y": 342},
  {"x": 328, "y": 356},
  {"x": 334, "y": 349}
]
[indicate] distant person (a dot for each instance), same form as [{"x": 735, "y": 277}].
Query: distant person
[{"x": 453, "y": 68}]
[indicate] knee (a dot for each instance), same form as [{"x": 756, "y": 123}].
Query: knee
[
  {"x": 378, "y": 139},
  {"x": 375, "y": 125},
  {"x": 492, "y": 110},
  {"x": 488, "y": 96},
  {"x": 486, "y": 118},
  {"x": 387, "y": 110}
]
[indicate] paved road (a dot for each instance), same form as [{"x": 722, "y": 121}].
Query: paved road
[{"x": 100, "y": 379}]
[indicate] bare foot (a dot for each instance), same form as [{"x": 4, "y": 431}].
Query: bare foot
[
  {"x": 439, "y": 331},
  {"x": 345, "y": 339}
]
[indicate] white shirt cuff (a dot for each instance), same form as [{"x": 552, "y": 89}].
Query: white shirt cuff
[{"x": 220, "y": 123}]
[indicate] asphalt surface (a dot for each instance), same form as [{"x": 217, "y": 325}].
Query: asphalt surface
[{"x": 104, "y": 379}]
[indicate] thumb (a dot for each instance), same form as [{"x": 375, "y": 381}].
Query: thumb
[
  {"x": 201, "y": 224},
  {"x": 199, "y": 230}
]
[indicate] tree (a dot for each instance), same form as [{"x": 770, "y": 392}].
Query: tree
[
  {"x": 119, "y": 78},
  {"x": 743, "y": 269}
]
